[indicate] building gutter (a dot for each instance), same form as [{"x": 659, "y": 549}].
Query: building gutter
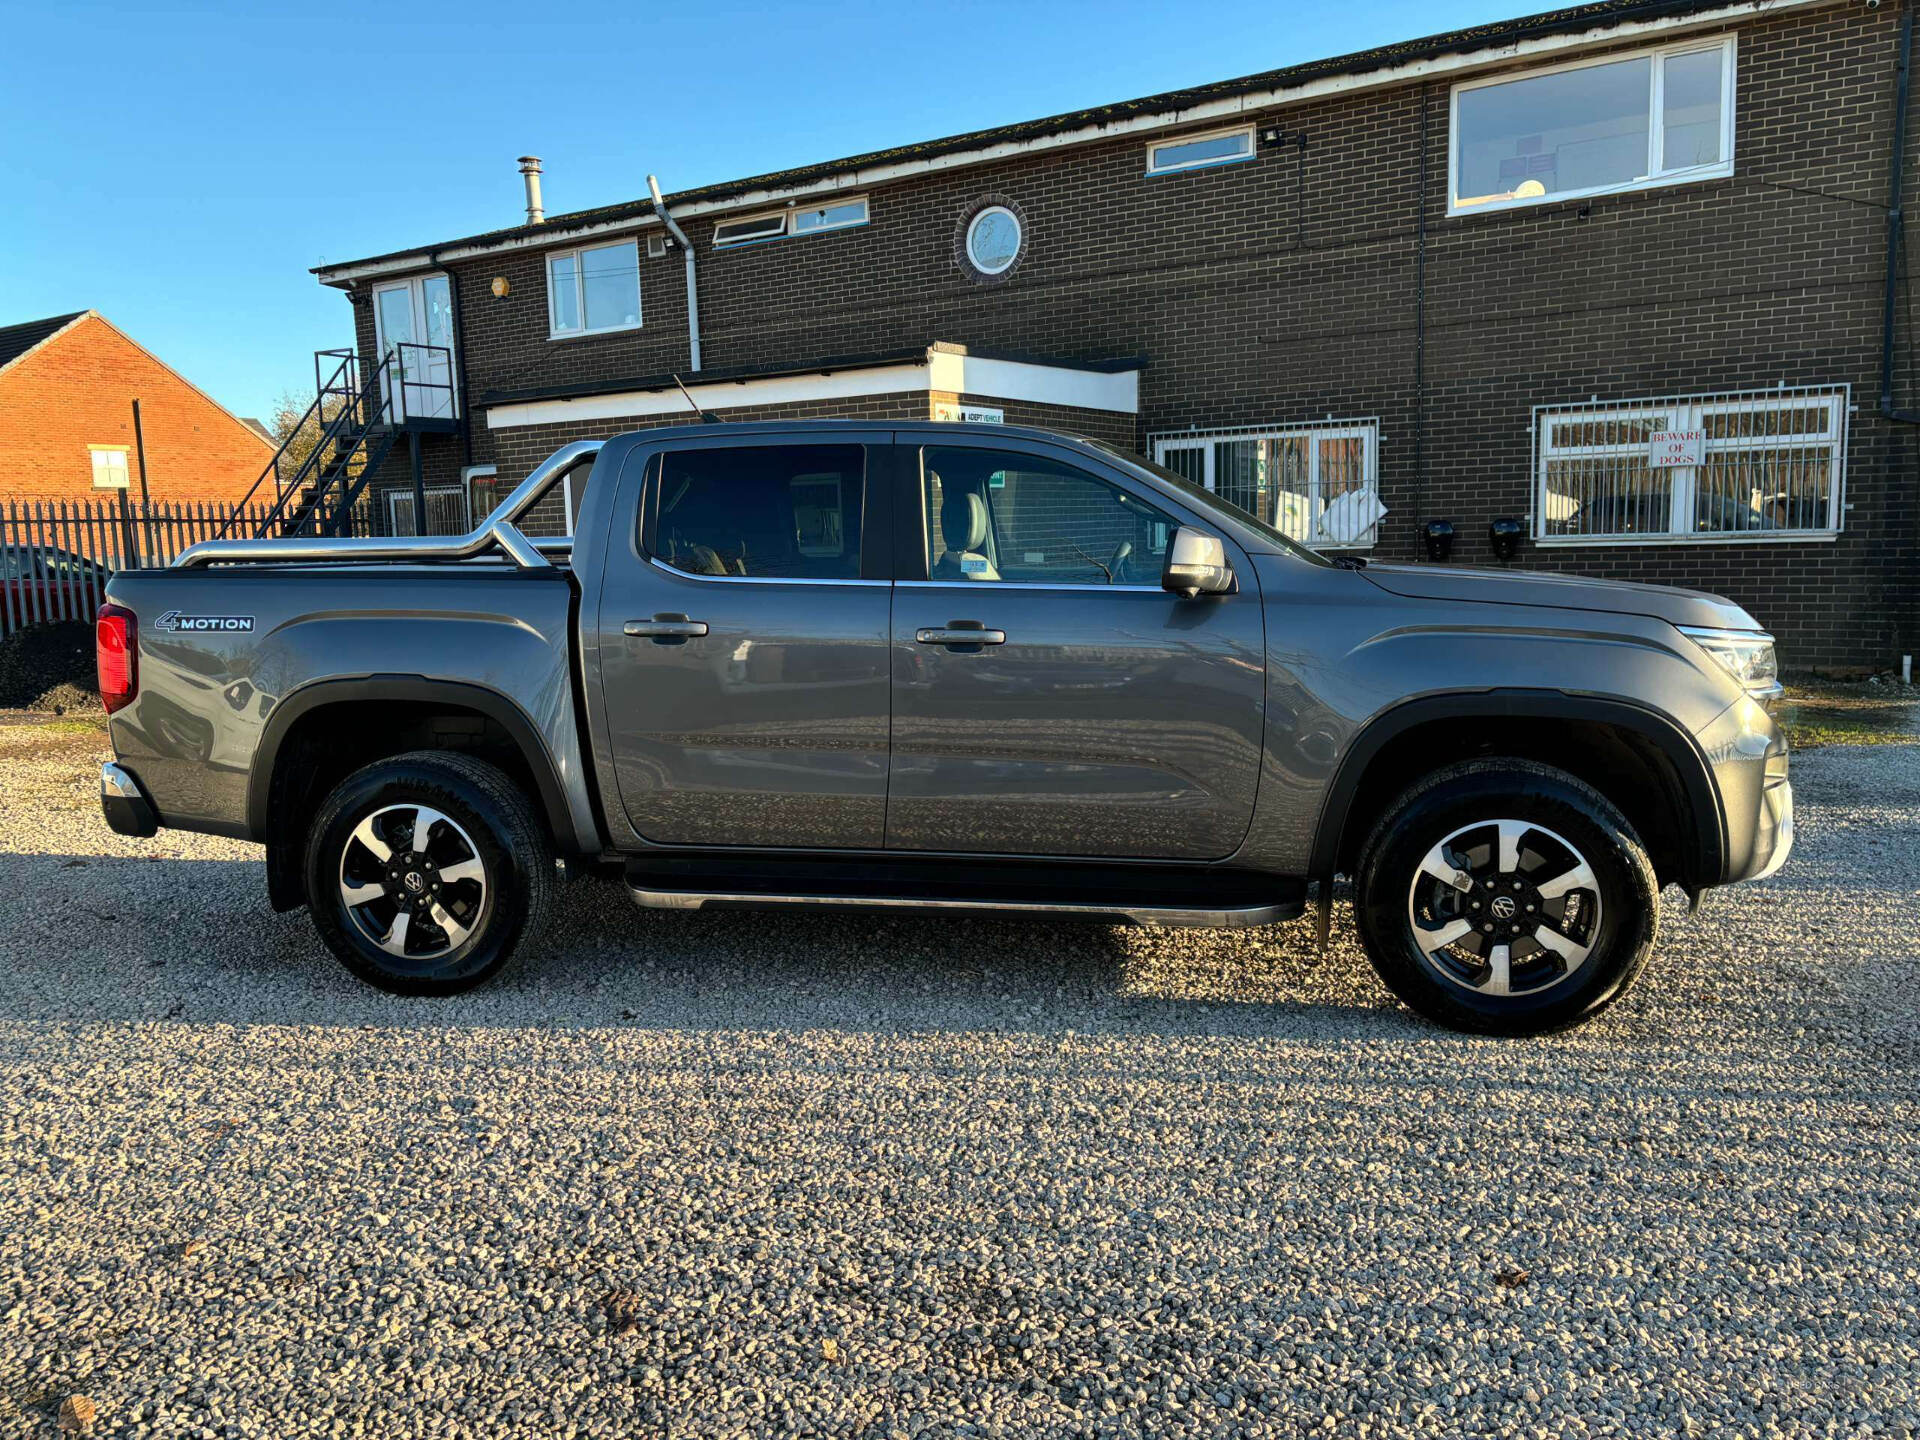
[
  {"x": 1896, "y": 222},
  {"x": 859, "y": 174},
  {"x": 686, "y": 248}
]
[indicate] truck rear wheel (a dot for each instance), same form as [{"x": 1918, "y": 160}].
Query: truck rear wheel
[
  {"x": 426, "y": 872},
  {"x": 1505, "y": 897}
]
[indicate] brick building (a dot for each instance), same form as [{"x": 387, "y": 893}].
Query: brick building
[
  {"x": 67, "y": 387},
  {"x": 1616, "y": 273}
]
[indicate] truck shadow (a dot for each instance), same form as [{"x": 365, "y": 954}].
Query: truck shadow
[{"x": 91, "y": 938}]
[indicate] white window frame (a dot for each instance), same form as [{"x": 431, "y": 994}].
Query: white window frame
[
  {"x": 789, "y": 226},
  {"x": 1688, "y": 412},
  {"x": 1181, "y": 167},
  {"x": 1657, "y": 175},
  {"x": 109, "y": 453},
  {"x": 1365, "y": 428},
  {"x": 554, "y": 332},
  {"x": 1020, "y": 238}
]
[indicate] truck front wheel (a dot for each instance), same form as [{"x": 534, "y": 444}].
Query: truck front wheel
[
  {"x": 1505, "y": 897},
  {"x": 426, "y": 872}
]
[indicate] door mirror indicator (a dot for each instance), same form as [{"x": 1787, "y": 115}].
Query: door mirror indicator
[{"x": 1197, "y": 565}]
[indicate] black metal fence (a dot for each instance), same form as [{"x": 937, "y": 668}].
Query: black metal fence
[{"x": 56, "y": 556}]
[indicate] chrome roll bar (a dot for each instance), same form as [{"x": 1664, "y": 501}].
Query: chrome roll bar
[{"x": 497, "y": 531}]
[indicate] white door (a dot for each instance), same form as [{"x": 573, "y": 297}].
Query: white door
[{"x": 409, "y": 316}]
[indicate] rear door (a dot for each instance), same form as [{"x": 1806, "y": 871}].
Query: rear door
[
  {"x": 743, "y": 635},
  {"x": 1095, "y": 714}
]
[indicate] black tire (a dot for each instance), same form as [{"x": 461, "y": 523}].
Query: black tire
[
  {"x": 1549, "y": 990},
  {"x": 491, "y": 818}
]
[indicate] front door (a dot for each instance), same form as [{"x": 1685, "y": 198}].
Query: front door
[
  {"x": 413, "y": 323},
  {"x": 742, "y": 634},
  {"x": 1096, "y": 714}
]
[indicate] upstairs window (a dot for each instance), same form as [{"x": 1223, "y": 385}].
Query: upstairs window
[
  {"x": 812, "y": 220},
  {"x": 1657, "y": 117},
  {"x": 593, "y": 290},
  {"x": 1197, "y": 152}
]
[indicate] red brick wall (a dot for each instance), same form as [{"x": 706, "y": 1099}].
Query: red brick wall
[{"x": 78, "y": 390}]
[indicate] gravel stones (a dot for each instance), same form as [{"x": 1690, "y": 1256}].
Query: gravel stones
[{"x": 928, "y": 1177}]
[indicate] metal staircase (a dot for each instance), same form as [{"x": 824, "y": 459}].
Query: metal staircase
[{"x": 356, "y": 418}]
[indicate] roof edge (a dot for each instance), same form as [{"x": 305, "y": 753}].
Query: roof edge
[{"x": 51, "y": 336}]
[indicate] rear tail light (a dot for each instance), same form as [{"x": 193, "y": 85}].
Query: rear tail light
[{"x": 116, "y": 655}]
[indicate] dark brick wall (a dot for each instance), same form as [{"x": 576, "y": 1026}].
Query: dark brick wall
[{"x": 1288, "y": 288}]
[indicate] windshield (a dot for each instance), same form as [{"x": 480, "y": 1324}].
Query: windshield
[{"x": 1205, "y": 499}]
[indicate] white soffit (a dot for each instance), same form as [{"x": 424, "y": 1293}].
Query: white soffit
[{"x": 942, "y": 370}]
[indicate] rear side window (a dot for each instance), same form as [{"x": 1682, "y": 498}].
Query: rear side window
[{"x": 776, "y": 512}]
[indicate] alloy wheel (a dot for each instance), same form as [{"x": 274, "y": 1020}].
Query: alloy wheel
[
  {"x": 412, "y": 882},
  {"x": 1504, "y": 908}
]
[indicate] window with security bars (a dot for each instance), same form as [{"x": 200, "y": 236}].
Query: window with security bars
[
  {"x": 1752, "y": 466},
  {"x": 1318, "y": 484}
]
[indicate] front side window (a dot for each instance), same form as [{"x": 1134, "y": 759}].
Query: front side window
[
  {"x": 1717, "y": 467},
  {"x": 1653, "y": 118},
  {"x": 595, "y": 289},
  {"x": 774, "y": 512},
  {"x": 1318, "y": 485},
  {"x": 995, "y": 515}
]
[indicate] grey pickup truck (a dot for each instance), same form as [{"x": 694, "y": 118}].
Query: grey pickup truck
[{"x": 969, "y": 669}]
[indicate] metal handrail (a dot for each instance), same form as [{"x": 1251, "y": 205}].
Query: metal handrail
[
  {"x": 497, "y": 530},
  {"x": 273, "y": 466}
]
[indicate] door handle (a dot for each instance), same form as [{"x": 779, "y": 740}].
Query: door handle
[
  {"x": 960, "y": 632},
  {"x": 667, "y": 629}
]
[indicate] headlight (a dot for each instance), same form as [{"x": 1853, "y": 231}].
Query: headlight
[{"x": 1747, "y": 655}]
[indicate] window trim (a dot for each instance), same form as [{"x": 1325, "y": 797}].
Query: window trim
[
  {"x": 1727, "y": 44},
  {"x": 1366, "y": 428},
  {"x": 834, "y": 203},
  {"x": 126, "y": 466},
  {"x": 1181, "y": 168},
  {"x": 580, "y": 290},
  {"x": 1684, "y": 488},
  {"x": 735, "y": 244}
]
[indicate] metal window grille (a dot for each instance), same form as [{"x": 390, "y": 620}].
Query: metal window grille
[
  {"x": 448, "y": 512},
  {"x": 1753, "y": 465},
  {"x": 1316, "y": 483}
]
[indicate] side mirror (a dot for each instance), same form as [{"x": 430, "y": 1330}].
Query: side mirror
[{"x": 1197, "y": 565}]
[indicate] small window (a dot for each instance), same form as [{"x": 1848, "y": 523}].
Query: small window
[
  {"x": 1197, "y": 152},
  {"x": 1626, "y": 122},
  {"x": 840, "y": 215},
  {"x": 109, "y": 467},
  {"x": 1767, "y": 464},
  {"x": 1024, "y": 519},
  {"x": 754, "y": 227},
  {"x": 777, "y": 512},
  {"x": 993, "y": 240},
  {"x": 594, "y": 290}
]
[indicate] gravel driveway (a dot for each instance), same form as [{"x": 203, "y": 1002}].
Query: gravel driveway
[{"x": 742, "y": 1175}]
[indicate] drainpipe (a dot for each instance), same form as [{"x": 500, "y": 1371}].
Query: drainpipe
[
  {"x": 686, "y": 248},
  {"x": 1895, "y": 222}
]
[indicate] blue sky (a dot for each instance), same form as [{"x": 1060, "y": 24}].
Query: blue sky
[{"x": 180, "y": 167}]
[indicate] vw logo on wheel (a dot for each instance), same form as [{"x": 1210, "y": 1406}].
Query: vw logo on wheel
[
  {"x": 414, "y": 882},
  {"x": 1503, "y": 906}
]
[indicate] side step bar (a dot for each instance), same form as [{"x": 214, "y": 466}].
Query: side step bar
[{"x": 1003, "y": 890}]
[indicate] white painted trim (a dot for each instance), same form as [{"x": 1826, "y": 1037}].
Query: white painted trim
[
  {"x": 1228, "y": 109},
  {"x": 1117, "y": 390},
  {"x": 1656, "y": 177},
  {"x": 727, "y": 394},
  {"x": 942, "y": 370}
]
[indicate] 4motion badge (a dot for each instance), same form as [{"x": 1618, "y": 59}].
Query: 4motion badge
[{"x": 174, "y": 621}]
